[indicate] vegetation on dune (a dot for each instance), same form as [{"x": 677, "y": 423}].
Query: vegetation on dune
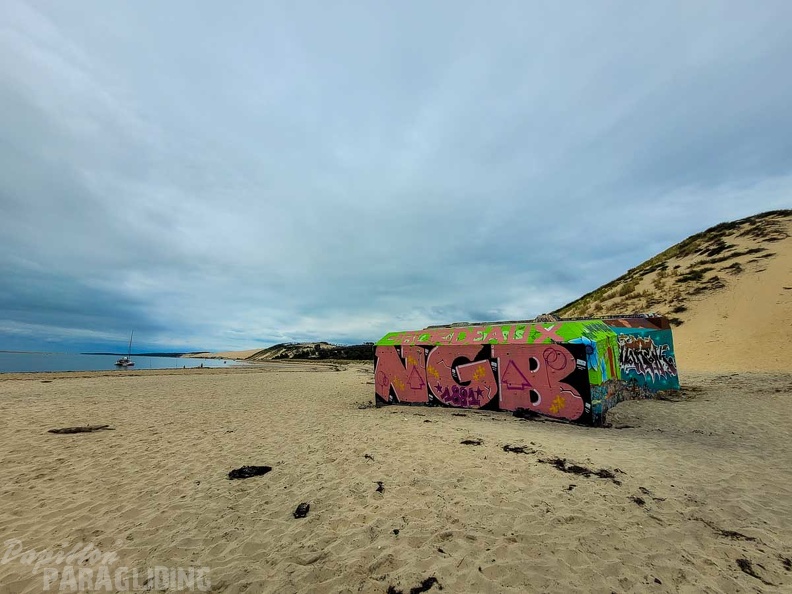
[
  {"x": 694, "y": 274},
  {"x": 685, "y": 270},
  {"x": 315, "y": 351}
]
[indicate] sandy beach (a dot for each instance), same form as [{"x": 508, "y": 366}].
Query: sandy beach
[
  {"x": 699, "y": 499},
  {"x": 285, "y": 254}
]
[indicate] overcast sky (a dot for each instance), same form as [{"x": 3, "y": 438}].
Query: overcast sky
[{"x": 232, "y": 175}]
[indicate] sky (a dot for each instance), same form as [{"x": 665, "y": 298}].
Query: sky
[{"x": 227, "y": 176}]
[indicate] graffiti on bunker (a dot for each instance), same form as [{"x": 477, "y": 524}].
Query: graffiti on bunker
[
  {"x": 574, "y": 369},
  {"x": 494, "y": 334},
  {"x": 549, "y": 379},
  {"x": 643, "y": 357},
  {"x": 648, "y": 357}
]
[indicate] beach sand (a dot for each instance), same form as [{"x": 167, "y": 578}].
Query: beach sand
[{"x": 702, "y": 483}]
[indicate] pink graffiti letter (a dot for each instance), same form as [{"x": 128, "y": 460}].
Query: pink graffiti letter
[
  {"x": 406, "y": 373},
  {"x": 475, "y": 384},
  {"x": 530, "y": 378}
]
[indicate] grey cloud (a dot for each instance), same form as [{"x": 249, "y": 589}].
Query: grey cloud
[{"x": 229, "y": 176}]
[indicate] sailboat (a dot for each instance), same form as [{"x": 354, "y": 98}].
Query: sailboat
[{"x": 127, "y": 361}]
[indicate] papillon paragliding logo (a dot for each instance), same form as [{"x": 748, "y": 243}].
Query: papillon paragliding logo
[{"x": 85, "y": 568}]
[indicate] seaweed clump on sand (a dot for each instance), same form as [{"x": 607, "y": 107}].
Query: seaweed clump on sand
[
  {"x": 518, "y": 449},
  {"x": 424, "y": 586},
  {"x": 473, "y": 442},
  {"x": 302, "y": 510},
  {"x": 86, "y": 429},
  {"x": 247, "y": 472},
  {"x": 561, "y": 464}
]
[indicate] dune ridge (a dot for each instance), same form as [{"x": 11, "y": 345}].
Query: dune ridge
[{"x": 727, "y": 292}]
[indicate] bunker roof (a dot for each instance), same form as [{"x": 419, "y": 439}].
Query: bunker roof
[{"x": 558, "y": 332}]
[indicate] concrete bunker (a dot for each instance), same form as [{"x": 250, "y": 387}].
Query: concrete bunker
[{"x": 572, "y": 369}]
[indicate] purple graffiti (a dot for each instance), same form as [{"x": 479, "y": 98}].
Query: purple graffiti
[{"x": 513, "y": 378}]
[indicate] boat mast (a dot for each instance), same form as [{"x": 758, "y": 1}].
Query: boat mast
[{"x": 129, "y": 351}]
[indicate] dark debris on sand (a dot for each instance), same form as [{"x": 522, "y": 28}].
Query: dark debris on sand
[
  {"x": 646, "y": 491},
  {"x": 247, "y": 472},
  {"x": 732, "y": 534},
  {"x": 473, "y": 442},
  {"x": 302, "y": 510},
  {"x": 86, "y": 429},
  {"x": 518, "y": 449},
  {"x": 561, "y": 464},
  {"x": 747, "y": 567},
  {"x": 424, "y": 586},
  {"x": 528, "y": 415}
]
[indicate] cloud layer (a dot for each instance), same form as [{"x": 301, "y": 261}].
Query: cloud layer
[{"x": 227, "y": 177}]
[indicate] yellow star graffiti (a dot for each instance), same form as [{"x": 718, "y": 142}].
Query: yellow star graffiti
[
  {"x": 479, "y": 373},
  {"x": 398, "y": 383},
  {"x": 411, "y": 360},
  {"x": 558, "y": 405},
  {"x": 433, "y": 372}
]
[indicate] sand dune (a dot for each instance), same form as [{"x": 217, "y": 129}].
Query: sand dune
[
  {"x": 239, "y": 355},
  {"x": 703, "y": 483},
  {"x": 302, "y": 351},
  {"x": 728, "y": 292},
  {"x": 745, "y": 326}
]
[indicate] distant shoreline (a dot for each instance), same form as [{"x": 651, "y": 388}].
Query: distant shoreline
[
  {"x": 114, "y": 354},
  {"x": 33, "y": 362}
]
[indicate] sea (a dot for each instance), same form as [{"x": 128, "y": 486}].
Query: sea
[{"x": 13, "y": 362}]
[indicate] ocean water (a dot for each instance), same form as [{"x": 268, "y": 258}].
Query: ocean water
[{"x": 22, "y": 362}]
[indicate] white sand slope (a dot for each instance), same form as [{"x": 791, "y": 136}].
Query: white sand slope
[
  {"x": 238, "y": 355},
  {"x": 747, "y": 325},
  {"x": 728, "y": 292}
]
